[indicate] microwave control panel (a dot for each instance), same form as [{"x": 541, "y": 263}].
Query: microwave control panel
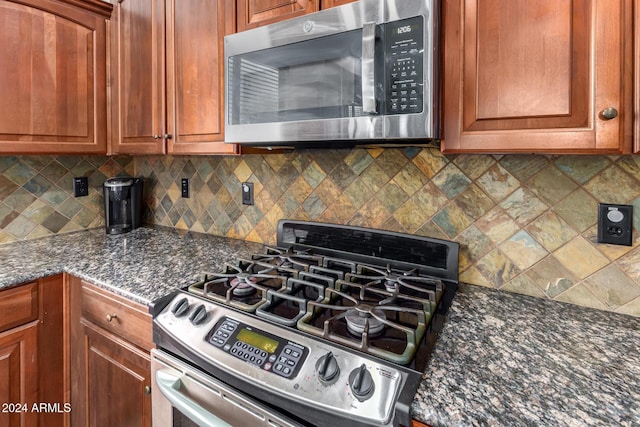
[{"x": 404, "y": 50}]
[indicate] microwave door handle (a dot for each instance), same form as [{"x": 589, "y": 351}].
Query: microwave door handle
[
  {"x": 170, "y": 385},
  {"x": 368, "y": 68}
]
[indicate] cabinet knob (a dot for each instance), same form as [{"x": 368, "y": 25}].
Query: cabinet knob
[
  {"x": 147, "y": 390},
  {"x": 609, "y": 113},
  {"x": 110, "y": 317},
  {"x": 156, "y": 136},
  {"x": 167, "y": 136}
]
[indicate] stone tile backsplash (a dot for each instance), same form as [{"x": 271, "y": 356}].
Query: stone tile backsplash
[
  {"x": 525, "y": 223},
  {"x": 36, "y": 193}
]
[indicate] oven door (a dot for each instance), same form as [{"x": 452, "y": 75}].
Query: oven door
[{"x": 183, "y": 396}]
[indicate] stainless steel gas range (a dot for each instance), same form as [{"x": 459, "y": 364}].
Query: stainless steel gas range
[{"x": 332, "y": 325}]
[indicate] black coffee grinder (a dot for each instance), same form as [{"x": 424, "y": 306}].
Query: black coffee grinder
[{"x": 122, "y": 204}]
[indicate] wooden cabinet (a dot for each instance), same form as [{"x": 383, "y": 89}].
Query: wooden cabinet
[
  {"x": 326, "y": 4},
  {"x": 18, "y": 375},
  {"x": 542, "y": 76},
  {"x": 110, "y": 368},
  {"x": 53, "y": 76},
  {"x": 19, "y": 355},
  {"x": 636, "y": 77},
  {"x": 255, "y": 13},
  {"x": 31, "y": 354},
  {"x": 167, "y": 76}
]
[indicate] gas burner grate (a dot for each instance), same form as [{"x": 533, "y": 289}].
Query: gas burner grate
[
  {"x": 371, "y": 324},
  {"x": 244, "y": 286},
  {"x": 288, "y": 306},
  {"x": 288, "y": 258},
  {"x": 398, "y": 282}
]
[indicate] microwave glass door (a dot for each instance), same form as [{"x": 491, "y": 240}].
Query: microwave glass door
[{"x": 309, "y": 80}]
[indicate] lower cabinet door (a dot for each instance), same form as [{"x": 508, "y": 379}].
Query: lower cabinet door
[
  {"x": 19, "y": 376},
  {"x": 116, "y": 380}
]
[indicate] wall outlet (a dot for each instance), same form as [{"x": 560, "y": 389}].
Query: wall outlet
[
  {"x": 615, "y": 224},
  {"x": 247, "y": 193},
  {"x": 185, "y": 188},
  {"x": 80, "y": 186}
]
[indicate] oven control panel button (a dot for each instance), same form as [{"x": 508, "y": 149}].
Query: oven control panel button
[
  {"x": 199, "y": 315},
  {"x": 267, "y": 351},
  {"x": 327, "y": 369},
  {"x": 181, "y": 307},
  {"x": 361, "y": 383},
  {"x": 222, "y": 334}
]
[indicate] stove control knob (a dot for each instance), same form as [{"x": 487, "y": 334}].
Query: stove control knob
[
  {"x": 361, "y": 383},
  {"x": 327, "y": 368},
  {"x": 199, "y": 315},
  {"x": 181, "y": 307}
]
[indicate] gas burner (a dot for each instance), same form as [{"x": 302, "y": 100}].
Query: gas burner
[
  {"x": 243, "y": 285},
  {"x": 392, "y": 280},
  {"x": 365, "y": 318},
  {"x": 288, "y": 258}
]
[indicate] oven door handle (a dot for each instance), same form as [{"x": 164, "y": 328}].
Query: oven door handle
[{"x": 170, "y": 386}]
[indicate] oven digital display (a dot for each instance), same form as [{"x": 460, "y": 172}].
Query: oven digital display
[{"x": 257, "y": 340}]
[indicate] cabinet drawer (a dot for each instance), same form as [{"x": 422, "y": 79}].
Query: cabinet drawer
[
  {"x": 18, "y": 306},
  {"x": 124, "y": 318}
]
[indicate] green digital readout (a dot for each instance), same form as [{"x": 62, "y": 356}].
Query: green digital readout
[{"x": 257, "y": 340}]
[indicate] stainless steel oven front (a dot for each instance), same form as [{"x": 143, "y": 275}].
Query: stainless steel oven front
[{"x": 183, "y": 396}]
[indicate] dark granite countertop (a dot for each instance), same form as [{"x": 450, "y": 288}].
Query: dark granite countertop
[
  {"x": 501, "y": 360},
  {"x": 142, "y": 265},
  {"x": 504, "y": 359}
]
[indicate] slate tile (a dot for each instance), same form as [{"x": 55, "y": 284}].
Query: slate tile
[
  {"x": 602, "y": 186},
  {"x": 474, "y": 165},
  {"x": 551, "y": 185},
  {"x": 497, "y": 183},
  {"x": 523, "y": 166},
  {"x": 581, "y": 295},
  {"x": 582, "y": 168},
  {"x": 580, "y": 257},
  {"x": 497, "y": 268},
  {"x": 579, "y": 210},
  {"x": 523, "y": 206},
  {"x": 523, "y": 250},
  {"x": 430, "y": 162},
  {"x": 451, "y": 181},
  {"x": 552, "y": 277},
  {"x": 551, "y": 231},
  {"x": 612, "y": 286}
]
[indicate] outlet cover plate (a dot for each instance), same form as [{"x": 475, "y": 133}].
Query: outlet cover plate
[
  {"x": 80, "y": 186},
  {"x": 615, "y": 224},
  {"x": 247, "y": 193},
  {"x": 185, "y": 188}
]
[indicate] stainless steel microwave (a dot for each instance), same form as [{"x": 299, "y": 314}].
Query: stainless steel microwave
[{"x": 358, "y": 73}]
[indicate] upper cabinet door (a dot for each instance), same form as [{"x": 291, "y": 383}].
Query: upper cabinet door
[
  {"x": 138, "y": 55},
  {"x": 195, "y": 75},
  {"x": 535, "y": 76},
  {"x": 53, "y": 74},
  {"x": 326, "y": 4},
  {"x": 254, "y": 13},
  {"x": 636, "y": 77}
]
